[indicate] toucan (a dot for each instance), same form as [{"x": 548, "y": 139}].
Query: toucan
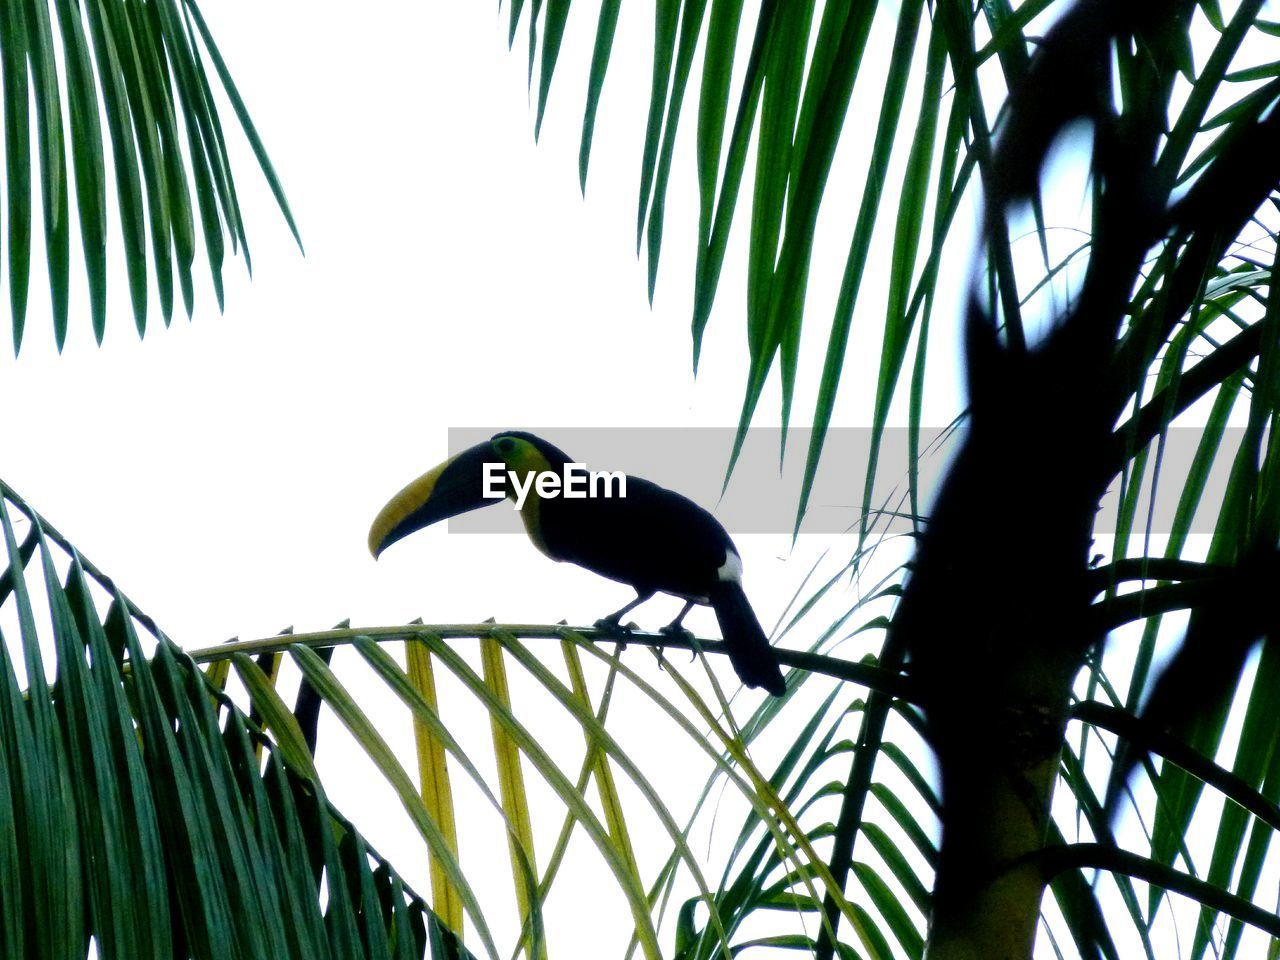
[{"x": 653, "y": 539}]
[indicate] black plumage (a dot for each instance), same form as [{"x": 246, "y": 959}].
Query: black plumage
[{"x": 659, "y": 541}]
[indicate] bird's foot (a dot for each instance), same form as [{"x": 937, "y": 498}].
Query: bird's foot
[
  {"x": 696, "y": 647},
  {"x": 677, "y": 631},
  {"x": 617, "y": 631}
]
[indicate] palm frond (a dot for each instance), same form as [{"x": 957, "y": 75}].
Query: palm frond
[
  {"x": 607, "y": 821},
  {"x": 141, "y": 820},
  {"x": 168, "y": 166}
]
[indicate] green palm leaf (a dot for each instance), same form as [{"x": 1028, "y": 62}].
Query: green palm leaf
[
  {"x": 149, "y": 62},
  {"x": 140, "y": 819}
]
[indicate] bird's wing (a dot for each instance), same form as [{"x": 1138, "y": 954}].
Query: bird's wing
[{"x": 653, "y": 538}]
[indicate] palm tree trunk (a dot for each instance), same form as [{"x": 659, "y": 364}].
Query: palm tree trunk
[
  {"x": 989, "y": 890},
  {"x": 995, "y": 640},
  {"x": 995, "y": 616}
]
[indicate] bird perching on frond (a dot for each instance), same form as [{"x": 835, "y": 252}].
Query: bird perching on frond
[{"x": 652, "y": 538}]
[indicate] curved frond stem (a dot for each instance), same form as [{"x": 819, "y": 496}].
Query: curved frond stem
[
  {"x": 863, "y": 674},
  {"x": 1100, "y": 856},
  {"x": 1137, "y": 731},
  {"x": 90, "y": 569}
]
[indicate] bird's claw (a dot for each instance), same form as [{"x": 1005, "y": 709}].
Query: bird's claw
[
  {"x": 696, "y": 647},
  {"x": 616, "y": 630},
  {"x": 678, "y": 631}
]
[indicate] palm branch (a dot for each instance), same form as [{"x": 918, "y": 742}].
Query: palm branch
[
  {"x": 144, "y": 814},
  {"x": 144, "y": 79}
]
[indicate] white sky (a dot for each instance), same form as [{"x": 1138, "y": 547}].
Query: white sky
[{"x": 453, "y": 276}]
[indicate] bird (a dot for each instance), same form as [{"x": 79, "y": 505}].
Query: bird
[{"x": 653, "y": 539}]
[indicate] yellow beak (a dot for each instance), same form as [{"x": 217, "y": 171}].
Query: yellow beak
[{"x": 455, "y": 486}]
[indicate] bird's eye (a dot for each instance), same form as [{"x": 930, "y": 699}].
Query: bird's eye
[{"x": 506, "y": 445}]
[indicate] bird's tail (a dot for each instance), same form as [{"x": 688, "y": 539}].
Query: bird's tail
[{"x": 753, "y": 659}]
